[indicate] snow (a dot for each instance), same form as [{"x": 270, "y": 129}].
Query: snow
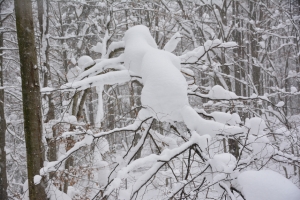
[
  {"x": 158, "y": 72},
  {"x": 260, "y": 143},
  {"x": 37, "y": 179},
  {"x": 71, "y": 119},
  {"x": 142, "y": 115},
  {"x": 280, "y": 104},
  {"x": 109, "y": 79},
  {"x": 256, "y": 125},
  {"x": 218, "y": 92},
  {"x": 124, "y": 194},
  {"x": 97, "y": 48},
  {"x": 73, "y": 73},
  {"x": 228, "y": 44},
  {"x": 265, "y": 185},
  {"x": 25, "y": 190},
  {"x": 100, "y": 112},
  {"x": 101, "y": 167},
  {"x": 138, "y": 41},
  {"x": 47, "y": 90},
  {"x": 101, "y": 65},
  {"x": 84, "y": 62},
  {"x": 262, "y": 44},
  {"x": 222, "y": 163},
  {"x": 195, "y": 122},
  {"x": 54, "y": 194},
  {"x": 293, "y": 89},
  {"x": 160, "y": 68},
  {"x": 200, "y": 52},
  {"x": 168, "y": 141},
  {"x": 72, "y": 191},
  {"x": 51, "y": 166},
  {"x": 226, "y": 118},
  {"x": 188, "y": 72},
  {"x": 151, "y": 160},
  {"x": 193, "y": 56},
  {"x": 283, "y": 130},
  {"x": 209, "y": 44},
  {"x": 113, "y": 46},
  {"x": 172, "y": 43}
]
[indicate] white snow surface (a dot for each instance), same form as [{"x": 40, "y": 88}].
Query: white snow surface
[
  {"x": 172, "y": 43},
  {"x": 218, "y": 92},
  {"x": 52, "y": 192},
  {"x": 226, "y": 118},
  {"x": 109, "y": 79},
  {"x": 85, "y": 61},
  {"x": 138, "y": 41},
  {"x": 25, "y": 190},
  {"x": 73, "y": 73},
  {"x": 228, "y": 44},
  {"x": 55, "y": 194},
  {"x": 267, "y": 185},
  {"x": 97, "y": 48},
  {"x": 224, "y": 162},
  {"x": 37, "y": 179},
  {"x": 293, "y": 89},
  {"x": 100, "y": 112},
  {"x": 256, "y": 125},
  {"x": 280, "y": 104},
  {"x": 165, "y": 88}
]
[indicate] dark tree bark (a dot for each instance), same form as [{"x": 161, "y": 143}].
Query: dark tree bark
[
  {"x": 256, "y": 75},
  {"x": 31, "y": 97},
  {"x": 3, "y": 176}
]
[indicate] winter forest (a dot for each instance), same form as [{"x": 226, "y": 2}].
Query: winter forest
[{"x": 149, "y": 100}]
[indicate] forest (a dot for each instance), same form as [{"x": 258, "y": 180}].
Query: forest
[{"x": 149, "y": 100}]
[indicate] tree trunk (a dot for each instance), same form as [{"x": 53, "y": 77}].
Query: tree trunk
[
  {"x": 31, "y": 97},
  {"x": 3, "y": 177}
]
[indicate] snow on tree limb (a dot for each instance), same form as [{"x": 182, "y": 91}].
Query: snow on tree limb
[{"x": 102, "y": 79}]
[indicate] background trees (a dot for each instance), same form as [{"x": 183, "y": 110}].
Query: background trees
[{"x": 262, "y": 69}]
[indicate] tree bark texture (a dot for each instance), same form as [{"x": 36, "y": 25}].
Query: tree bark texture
[
  {"x": 3, "y": 176},
  {"x": 31, "y": 97}
]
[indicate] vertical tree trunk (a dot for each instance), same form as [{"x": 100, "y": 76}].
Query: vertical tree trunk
[
  {"x": 31, "y": 97},
  {"x": 253, "y": 43},
  {"x": 3, "y": 177}
]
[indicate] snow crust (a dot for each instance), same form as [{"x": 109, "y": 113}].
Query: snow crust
[{"x": 266, "y": 185}]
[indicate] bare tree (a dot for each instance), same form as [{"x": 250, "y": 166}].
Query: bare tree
[
  {"x": 3, "y": 177},
  {"x": 31, "y": 96}
]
